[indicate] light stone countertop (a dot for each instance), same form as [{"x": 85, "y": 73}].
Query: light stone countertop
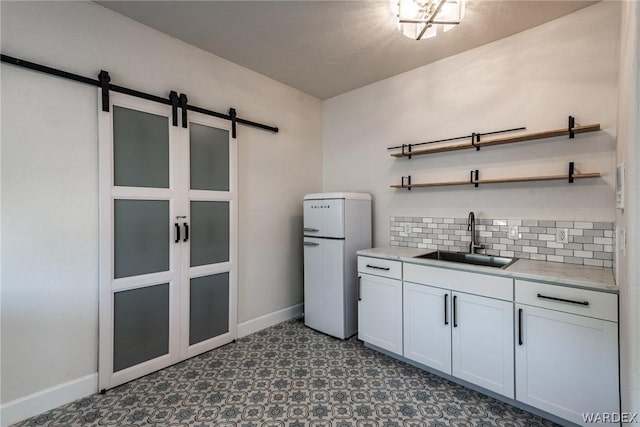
[{"x": 579, "y": 276}]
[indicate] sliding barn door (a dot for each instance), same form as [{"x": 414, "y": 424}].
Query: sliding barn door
[
  {"x": 209, "y": 261},
  {"x": 167, "y": 238}
]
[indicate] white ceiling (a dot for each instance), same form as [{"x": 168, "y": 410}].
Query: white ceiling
[{"x": 326, "y": 48}]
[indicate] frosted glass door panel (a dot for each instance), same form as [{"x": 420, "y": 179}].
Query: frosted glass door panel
[
  {"x": 141, "y": 237},
  {"x": 209, "y": 154},
  {"x": 209, "y": 235},
  {"x": 140, "y": 326},
  {"x": 140, "y": 149},
  {"x": 209, "y": 307}
]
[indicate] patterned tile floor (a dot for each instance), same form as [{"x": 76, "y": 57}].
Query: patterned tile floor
[{"x": 289, "y": 376}]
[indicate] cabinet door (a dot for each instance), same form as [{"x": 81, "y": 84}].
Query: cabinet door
[
  {"x": 482, "y": 335},
  {"x": 427, "y": 326},
  {"x": 566, "y": 364},
  {"x": 380, "y": 312}
]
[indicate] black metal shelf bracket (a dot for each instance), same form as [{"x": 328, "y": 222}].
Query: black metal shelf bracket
[
  {"x": 475, "y": 138},
  {"x": 104, "y": 79},
  {"x": 474, "y": 176},
  {"x": 408, "y": 185},
  {"x": 571, "y": 172},
  {"x": 408, "y": 151},
  {"x": 232, "y": 114},
  {"x": 173, "y": 97},
  {"x": 184, "y": 107},
  {"x": 572, "y": 124}
]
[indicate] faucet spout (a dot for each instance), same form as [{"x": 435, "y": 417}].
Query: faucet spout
[{"x": 471, "y": 226}]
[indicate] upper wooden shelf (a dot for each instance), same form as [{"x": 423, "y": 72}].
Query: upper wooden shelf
[{"x": 498, "y": 141}]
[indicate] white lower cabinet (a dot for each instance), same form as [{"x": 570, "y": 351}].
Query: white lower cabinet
[
  {"x": 427, "y": 326},
  {"x": 380, "y": 312},
  {"x": 467, "y": 336},
  {"x": 567, "y": 364},
  {"x": 464, "y": 324},
  {"x": 482, "y": 342}
]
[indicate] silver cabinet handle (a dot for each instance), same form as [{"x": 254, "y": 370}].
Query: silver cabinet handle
[
  {"x": 359, "y": 294},
  {"x": 311, "y": 244}
]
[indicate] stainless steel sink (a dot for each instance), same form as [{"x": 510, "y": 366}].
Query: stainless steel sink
[{"x": 466, "y": 258}]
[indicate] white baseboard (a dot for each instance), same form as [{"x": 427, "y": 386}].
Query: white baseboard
[
  {"x": 47, "y": 399},
  {"x": 262, "y": 322}
]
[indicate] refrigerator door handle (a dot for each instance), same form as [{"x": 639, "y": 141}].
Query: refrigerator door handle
[
  {"x": 311, "y": 244},
  {"x": 311, "y": 229}
]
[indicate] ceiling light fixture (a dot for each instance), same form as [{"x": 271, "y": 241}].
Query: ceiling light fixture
[{"x": 422, "y": 19}]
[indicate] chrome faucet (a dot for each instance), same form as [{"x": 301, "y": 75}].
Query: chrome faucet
[{"x": 471, "y": 226}]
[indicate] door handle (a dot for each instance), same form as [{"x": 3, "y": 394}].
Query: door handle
[
  {"x": 359, "y": 294},
  {"x": 455, "y": 317},
  {"x": 378, "y": 268},
  {"x": 311, "y": 229},
  {"x": 446, "y": 297},
  {"x": 186, "y": 231},
  {"x": 311, "y": 244},
  {"x": 563, "y": 300},
  {"x": 520, "y": 326},
  {"x": 177, "y": 233}
]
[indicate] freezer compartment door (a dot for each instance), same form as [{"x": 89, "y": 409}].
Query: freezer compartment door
[
  {"x": 324, "y": 217},
  {"x": 324, "y": 295}
]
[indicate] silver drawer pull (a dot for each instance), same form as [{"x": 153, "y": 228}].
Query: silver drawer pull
[
  {"x": 311, "y": 229},
  {"x": 563, "y": 300},
  {"x": 311, "y": 244},
  {"x": 378, "y": 268}
]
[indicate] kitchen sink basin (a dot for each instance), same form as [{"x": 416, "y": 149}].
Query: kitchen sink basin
[{"x": 466, "y": 258}]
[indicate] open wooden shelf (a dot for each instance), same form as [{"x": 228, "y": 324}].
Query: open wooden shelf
[
  {"x": 498, "y": 141},
  {"x": 476, "y": 182}
]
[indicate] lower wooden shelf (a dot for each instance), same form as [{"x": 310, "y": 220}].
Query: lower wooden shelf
[{"x": 568, "y": 177}]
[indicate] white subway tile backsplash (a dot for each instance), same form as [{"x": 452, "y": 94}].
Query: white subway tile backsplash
[
  {"x": 583, "y": 254},
  {"x": 590, "y": 243},
  {"x": 585, "y": 225},
  {"x": 564, "y": 224},
  {"x": 603, "y": 240}
]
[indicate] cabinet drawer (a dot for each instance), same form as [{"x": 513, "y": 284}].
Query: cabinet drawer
[
  {"x": 380, "y": 267},
  {"x": 600, "y": 305},
  {"x": 463, "y": 281}
]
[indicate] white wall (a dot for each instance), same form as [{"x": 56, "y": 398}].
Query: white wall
[
  {"x": 535, "y": 79},
  {"x": 629, "y": 153},
  {"x": 50, "y": 167}
]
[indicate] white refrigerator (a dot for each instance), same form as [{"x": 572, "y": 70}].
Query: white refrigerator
[{"x": 336, "y": 225}]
